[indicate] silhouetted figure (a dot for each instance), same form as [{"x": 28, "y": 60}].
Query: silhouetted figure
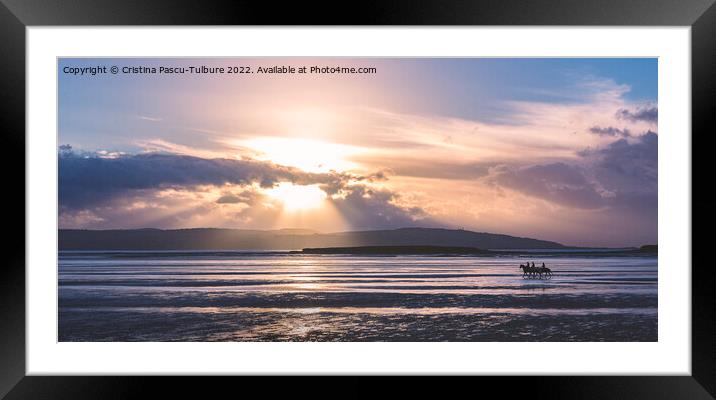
[{"x": 531, "y": 271}]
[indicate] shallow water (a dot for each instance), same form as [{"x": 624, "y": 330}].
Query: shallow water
[{"x": 234, "y": 296}]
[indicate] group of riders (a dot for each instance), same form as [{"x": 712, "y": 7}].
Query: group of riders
[{"x": 531, "y": 271}]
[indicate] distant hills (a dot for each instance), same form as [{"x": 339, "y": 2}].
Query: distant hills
[
  {"x": 397, "y": 250},
  {"x": 644, "y": 251},
  {"x": 286, "y": 239}
]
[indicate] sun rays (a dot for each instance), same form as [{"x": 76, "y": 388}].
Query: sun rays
[{"x": 297, "y": 197}]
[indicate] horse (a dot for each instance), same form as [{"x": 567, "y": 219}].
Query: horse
[
  {"x": 524, "y": 270},
  {"x": 546, "y": 271},
  {"x": 530, "y": 272},
  {"x": 534, "y": 272}
]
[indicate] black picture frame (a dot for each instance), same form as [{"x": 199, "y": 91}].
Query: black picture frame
[{"x": 16, "y": 15}]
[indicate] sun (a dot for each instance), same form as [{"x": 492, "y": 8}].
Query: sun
[{"x": 297, "y": 197}]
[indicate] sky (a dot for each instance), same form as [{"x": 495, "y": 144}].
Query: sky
[{"x": 555, "y": 149}]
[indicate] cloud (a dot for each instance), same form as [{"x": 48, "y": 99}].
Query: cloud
[
  {"x": 171, "y": 190},
  {"x": 151, "y": 119},
  {"x": 89, "y": 179},
  {"x": 369, "y": 208},
  {"x": 628, "y": 169},
  {"x": 228, "y": 199},
  {"x": 621, "y": 175},
  {"x": 610, "y": 131},
  {"x": 647, "y": 114},
  {"x": 559, "y": 183},
  {"x": 79, "y": 218},
  {"x": 162, "y": 146},
  {"x": 248, "y": 196},
  {"x": 425, "y": 167}
]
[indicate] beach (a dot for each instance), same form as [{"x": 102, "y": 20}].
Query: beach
[{"x": 280, "y": 296}]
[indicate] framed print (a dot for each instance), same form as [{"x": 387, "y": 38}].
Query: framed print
[{"x": 488, "y": 191}]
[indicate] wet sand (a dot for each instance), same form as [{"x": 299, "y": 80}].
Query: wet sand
[{"x": 342, "y": 298}]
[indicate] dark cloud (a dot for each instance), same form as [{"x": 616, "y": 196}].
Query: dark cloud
[
  {"x": 648, "y": 114},
  {"x": 366, "y": 208},
  {"x": 340, "y": 181},
  {"x": 229, "y": 199},
  {"x": 558, "y": 182},
  {"x": 88, "y": 179},
  {"x": 609, "y": 131},
  {"x": 622, "y": 176},
  {"x": 629, "y": 170},
  {"x": 96, "y": 191}
]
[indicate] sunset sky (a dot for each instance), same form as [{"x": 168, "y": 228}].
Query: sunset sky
[{"x": 555, "y": 149}]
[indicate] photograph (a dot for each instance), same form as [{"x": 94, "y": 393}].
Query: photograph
[
  {"x": 357, "y": 199},
  {"x": 471, "y": 189}
]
